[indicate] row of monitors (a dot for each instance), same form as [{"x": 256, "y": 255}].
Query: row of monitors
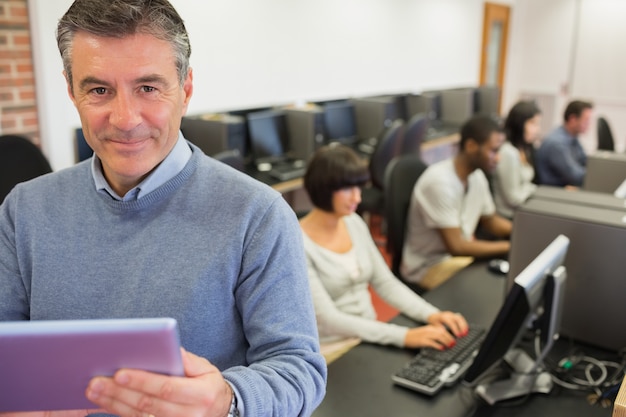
[
  {"x": 263, "y": 133},
  {"x": 269, "y": 132},
  {"x": 278, "y": 132}
]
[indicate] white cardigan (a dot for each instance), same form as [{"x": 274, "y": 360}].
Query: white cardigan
[
  {"x": 512, "y": 180},
  {"x": 343, "y": 305}
]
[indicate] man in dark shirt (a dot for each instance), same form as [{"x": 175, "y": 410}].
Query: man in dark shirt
[{"x": 561, "y": 160}]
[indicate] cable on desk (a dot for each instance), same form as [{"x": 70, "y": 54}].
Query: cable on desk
[{"x": 581, "y": 372}]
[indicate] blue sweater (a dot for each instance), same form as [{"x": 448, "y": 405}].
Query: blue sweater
[{"x": 213, "y": 248}]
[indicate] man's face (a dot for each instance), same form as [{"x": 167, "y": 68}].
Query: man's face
[
  {"x": 486, "y": 156},
  {"x": 130, "y": 102},
  {"x": 581, "y": 124}
]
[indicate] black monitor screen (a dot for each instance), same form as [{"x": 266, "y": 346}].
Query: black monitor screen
[
  {"x": 533, "y": 292},
  {"x": 339, "y": 121},
  {"x": 268, "y": 134}
]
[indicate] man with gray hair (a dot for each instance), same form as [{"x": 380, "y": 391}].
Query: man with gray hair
[{"x": 152, "y": 227}]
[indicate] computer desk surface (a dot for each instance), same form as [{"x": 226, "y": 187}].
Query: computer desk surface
[{"x": 359, "y": 382}]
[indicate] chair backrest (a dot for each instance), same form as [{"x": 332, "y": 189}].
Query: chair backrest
[
  {"x": 400, "y": 178},
  {"x": 20, "y": 160},
  {"x": 389, "y": 146},
  {"x": 83, "y": 150},
  {"x": 605, "y": 136},
  {"x": 415, "y": 133}
]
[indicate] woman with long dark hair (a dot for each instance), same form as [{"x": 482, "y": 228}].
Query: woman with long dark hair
[{"x": 513, "y": 177}]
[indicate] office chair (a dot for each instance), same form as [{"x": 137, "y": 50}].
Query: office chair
[
  {"x": 83, "y": 150},
  {"x": 231, "y": 157},
  {"x": 415, "y": 133},
  {"x": 389, "y": 146},
  {"x": 605, "y": 136},
  {"x": 20, "y": 160},
  {"x": 400, "y": 177}
]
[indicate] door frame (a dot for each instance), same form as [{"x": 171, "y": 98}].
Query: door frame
[{"x": 494, "y": 13}]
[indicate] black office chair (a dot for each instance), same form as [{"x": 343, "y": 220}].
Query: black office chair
[
  {"x": 415, "y": 133},
  {"x": 388, "y": 146},
  {"x": 400, "y": 178},
  {"x": 83, "y": 150},
  {"x": 20, "y": 160},
  {"x": 605, "y": 136}
]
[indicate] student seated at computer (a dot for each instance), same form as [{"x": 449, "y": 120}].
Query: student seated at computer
[
  {"x": 512, "y": 181},
  {"x": 343, "y": 262},
  {"x": 561, "y": 160},
  {"x": 449, "y": 201}
]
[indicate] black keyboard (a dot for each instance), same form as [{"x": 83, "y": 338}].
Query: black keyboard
[
  {"x": 286, "y": 171},
  {"x": 432, "y": 369}
]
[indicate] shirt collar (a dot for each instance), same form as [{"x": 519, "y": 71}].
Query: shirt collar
[{"x": 173, "y": 163}]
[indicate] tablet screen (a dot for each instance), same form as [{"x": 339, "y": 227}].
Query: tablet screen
[{"x": 47, "y": 365}]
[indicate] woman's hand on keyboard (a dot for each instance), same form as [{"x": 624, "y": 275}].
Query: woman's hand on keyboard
[
  {"x": 454, "y": 322},
  {"x": 434, "y": 336}
]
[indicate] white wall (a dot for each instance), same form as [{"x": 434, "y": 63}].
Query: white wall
[
  {"x": 571, "y": 49},
  {"x": 248, "y": 53}
]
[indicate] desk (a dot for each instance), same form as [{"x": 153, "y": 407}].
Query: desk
[{"x": 359, "y": 383}]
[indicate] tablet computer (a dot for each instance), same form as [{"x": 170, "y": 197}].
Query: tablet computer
[{"x": 47, "y": 365}]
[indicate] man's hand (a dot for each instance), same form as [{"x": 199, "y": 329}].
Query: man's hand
[{"x": 130, "y": 392}]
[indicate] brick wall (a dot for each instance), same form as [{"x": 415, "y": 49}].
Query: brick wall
[{"x": 18, "y": 105}]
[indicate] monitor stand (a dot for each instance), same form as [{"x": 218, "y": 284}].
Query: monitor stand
[{"x": 524, "y": 380}]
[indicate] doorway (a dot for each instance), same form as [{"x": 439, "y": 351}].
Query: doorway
[{"x": 494, "y": 47}]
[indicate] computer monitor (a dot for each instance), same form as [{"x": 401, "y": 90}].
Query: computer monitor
[
  {"x": 268, "y": 135},
  {"x": 339, "y": 122},
  {"x": 533, "y": 302}
]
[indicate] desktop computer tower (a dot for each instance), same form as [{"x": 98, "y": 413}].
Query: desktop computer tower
[
  {"x": 594, "y": 310},
  {"x": 488, "y": 101},
  {"x": 457, "y": 105},
  {"x": 581, "y": 197},
  {"x": 428, "y": 103},
  {"x": 400, "y": 104},
  {"x": 606, "y": 171},
  {"x": 373, "y": 115},
  {"x": 306, "y": 131},
  {"x": 214, "y": 133}
]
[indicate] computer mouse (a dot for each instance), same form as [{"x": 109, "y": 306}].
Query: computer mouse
[
  {"x": 264, "y": 166},
  {"x": 298, "y": 163},
  {"x": 498, "y": 266}
]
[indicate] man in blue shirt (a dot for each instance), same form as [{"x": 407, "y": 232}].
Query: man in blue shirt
[
  {"x": 152, "y": 227},
  {"x": 560, "y": 160}
]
